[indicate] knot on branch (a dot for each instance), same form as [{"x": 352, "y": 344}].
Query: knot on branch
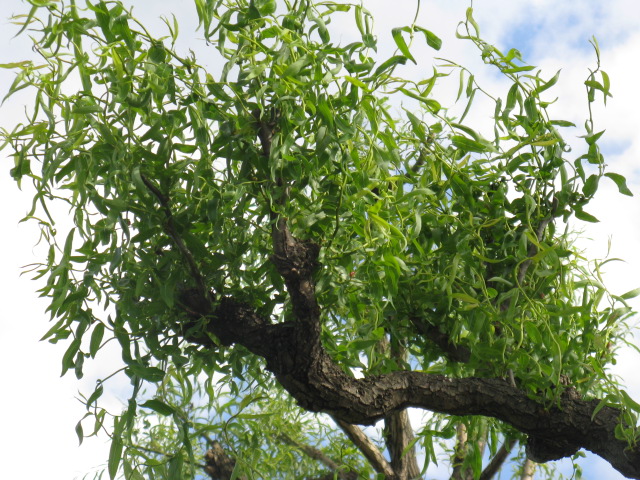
[
  {"x": 218, "y": 464},
  {"x": 266, "y": 127},
  {"x": 542, "y": 450},
  {"x": 235, "y": 322},
  {"x": 298, "y": 260},
  {"x": 195, "y": 303}
]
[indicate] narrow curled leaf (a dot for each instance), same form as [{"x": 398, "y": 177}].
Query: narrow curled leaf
[
  {"x": 389, "y": 64},
  {"x": 548, "y": 84},
  {"x": 524, "y": 68},
  {"x": 433, "y": 105},
  {"x": 432, "y": 39},
  {"x": 96, "y": 339},
  {"x": 402, "y": 45},
  {"x": 79, "y": 432},
  {"x": 621, "y": 183},
  {"x": 629, "y": 402},
  {"x": 115, "y": 455},
  {"x": 631, "y": 294}
]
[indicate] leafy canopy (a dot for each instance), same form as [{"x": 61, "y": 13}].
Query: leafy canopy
[{"x": 433, "y": 240}]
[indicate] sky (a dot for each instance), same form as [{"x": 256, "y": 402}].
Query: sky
[{"x": 38, "y": 409}]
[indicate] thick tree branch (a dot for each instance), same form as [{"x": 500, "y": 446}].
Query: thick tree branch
[
  {"x": 498, "y": 460},
  {"x": 367, "y": 447},
  {"x": 398, "y": 436},
  {"x": 319, "y": 385},
  {"x": 398, "y": 433},
  {"x": 294, "y": 354}
]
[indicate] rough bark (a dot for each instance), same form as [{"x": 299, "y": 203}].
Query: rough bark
[
  {"x": 398, "y": 433},
  {"x": 218, "y": 465},
  {"x": 398, "y": 436}
]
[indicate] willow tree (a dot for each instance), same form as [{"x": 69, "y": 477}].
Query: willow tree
[{"x": 301, "y": 242}]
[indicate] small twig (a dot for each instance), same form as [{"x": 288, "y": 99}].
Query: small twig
[
  {"x": 164, "y": 454},
  {"x": 318, "y": 455},
  {"x": 533, "y": 249}
]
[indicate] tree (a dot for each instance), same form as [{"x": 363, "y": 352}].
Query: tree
[{"x": 279, "y": 238}]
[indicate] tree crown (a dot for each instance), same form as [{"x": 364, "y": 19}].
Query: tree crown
[{"x": 306, "y": 210}]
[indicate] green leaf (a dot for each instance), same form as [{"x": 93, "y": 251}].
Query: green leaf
[
  {"x": 587, "y": 217},
  {"x": 68, "y": 244},
  {"x": 159, "y": 407},
  {"x": 433, "y": 105},
  {"x": 531, "y": 109},
  {"x": 402, "y": 45},
  {"x": 548, "y": 84},
  {"x": 562, "y": 123},
  {"x": 79, "y": 432},
  {"x": 432, "y": 39},
  {"x": 175, "y": 467},
  {"x": 357, "y": 82},
  {"x": 97, "y": 393},
  {"x": 293, "y": 69},
  {"x": 389, "y": 64},
  {"x": 603, "y": 403},
  {"x": 115, "y": 455},
  {"x": 468, "y": 145},
  {"x": 631, "y": 294},
  {"x": 464, "y": 297},
  {"x": 417, "y": 126},
  {"x": 265, "y": 7},
  {"x": 533, "y": 332},
  {"x": 629, "y": 402},
  {"x": 526, "y": 68},
  {"x": 621, "y": 182},
  {"x": 96, "y": 339},
  {"x": 68, "y": 360},
  {"x": 472, "y": 21},
  {"x": 591, "y": 185},
  {"x": 594, "y": 137},
  {"x": 22, "y": 65},
  {"x": 151, "y": 374}
]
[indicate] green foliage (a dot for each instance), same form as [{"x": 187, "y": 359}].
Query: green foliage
[{"x": 423, "y": 222}]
